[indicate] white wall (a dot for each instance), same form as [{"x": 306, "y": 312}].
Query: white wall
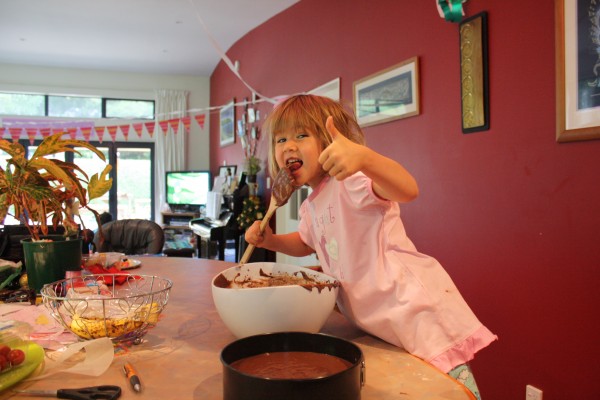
[{"x": 21, "y": 78}]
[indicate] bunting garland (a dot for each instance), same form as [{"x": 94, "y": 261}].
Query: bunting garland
[
  {"x": 17, "y": 129},
  {"x": 99, "y": 132},
  {"x": 200, "y": 120},
  {"x": 138, "y": 129},
  {"x": 125, "y": 131},
  {"x": 86, "y": 132},
  {"x": 174, "y": 124},
  {"x": 150, "y": 127},
  {"x": 186, "y": 124},
  {"x": 31, "y": 134}
]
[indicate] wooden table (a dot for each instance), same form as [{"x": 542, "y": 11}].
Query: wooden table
[{"x": 180, "y": 356}]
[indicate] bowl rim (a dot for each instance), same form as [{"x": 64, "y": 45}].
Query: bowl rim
[
  {"x": 332, "y": 281},
  {"x": 46, "y": 295}
]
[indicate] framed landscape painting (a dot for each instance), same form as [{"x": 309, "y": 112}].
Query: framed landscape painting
[{"x": 388, "y": 95}]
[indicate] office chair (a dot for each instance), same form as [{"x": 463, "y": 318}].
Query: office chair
[{"x": 131, "y": 236}]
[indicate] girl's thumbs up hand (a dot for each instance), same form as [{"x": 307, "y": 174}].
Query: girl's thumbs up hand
[{"x": 342, "y": 158}]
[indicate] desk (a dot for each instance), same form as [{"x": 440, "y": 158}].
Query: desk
[{"x": 180, "y": 357}]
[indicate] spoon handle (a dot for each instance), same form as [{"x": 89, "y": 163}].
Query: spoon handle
[{"x": 263, "y": 224}]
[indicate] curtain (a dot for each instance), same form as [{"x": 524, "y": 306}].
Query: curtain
[{"x": 170, "y": 147}]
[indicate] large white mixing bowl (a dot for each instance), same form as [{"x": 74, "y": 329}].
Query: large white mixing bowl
[{"x": 253, "y": 311}]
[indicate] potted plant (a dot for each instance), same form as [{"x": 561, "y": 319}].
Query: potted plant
[
  {"x": 42, "y": 191},
  {"x": 252, "y": 167}
]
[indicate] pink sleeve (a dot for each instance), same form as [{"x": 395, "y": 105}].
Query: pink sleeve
[{"x": 360, "y": 191}]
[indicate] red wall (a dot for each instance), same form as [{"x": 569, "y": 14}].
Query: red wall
[{"x": 512, "y": 215}]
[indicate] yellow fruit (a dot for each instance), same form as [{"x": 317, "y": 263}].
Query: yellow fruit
[
  {"x": 90, "y": 328},
  {"x": 148, "y": 313}
]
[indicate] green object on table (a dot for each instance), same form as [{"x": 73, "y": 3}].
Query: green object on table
[
  {"x": 47, "y": 262},
  {"x": 34, "y": 355}
]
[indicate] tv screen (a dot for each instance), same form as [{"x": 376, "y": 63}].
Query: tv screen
[{"x": 187, "y": 188}]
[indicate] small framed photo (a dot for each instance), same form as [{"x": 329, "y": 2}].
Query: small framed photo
[
  {"x": 251, "y": 115},
  {"x": 227, "y": 123},
  {"x": 387, "y": 95},
  {"x": 226, "y": 171},
  {"x": 240, "y": 128}
]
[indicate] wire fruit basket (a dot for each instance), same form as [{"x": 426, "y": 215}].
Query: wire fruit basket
[{"x": 91, "y": 306}]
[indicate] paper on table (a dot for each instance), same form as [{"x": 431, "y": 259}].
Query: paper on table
[
  {"x": 46, "y": 331},
  {"x": 99, "y": 354}
]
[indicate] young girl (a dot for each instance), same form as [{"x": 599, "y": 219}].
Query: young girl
[{"x": 352, "y": 221}]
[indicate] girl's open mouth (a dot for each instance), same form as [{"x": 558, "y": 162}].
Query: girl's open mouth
[{"x": 293, "y": 164}]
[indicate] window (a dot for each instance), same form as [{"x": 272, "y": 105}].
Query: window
[
  {"x": 117, "y": 108},
  {"x": 132, "y": 192},
  {"x": 38, "y": 105},
  {"x": 74, "y": 107},
  {"x": 33, "y": 105}
]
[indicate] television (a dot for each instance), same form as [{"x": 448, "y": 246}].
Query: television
[{"x": 187, "y": 190}]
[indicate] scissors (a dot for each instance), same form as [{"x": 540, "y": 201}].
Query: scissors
[{"x": 104, "y": 392}]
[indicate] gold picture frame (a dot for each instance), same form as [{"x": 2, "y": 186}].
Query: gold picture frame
[
  {"x": 474, "y": 82},
  {"x": 387, "y": 95},
  {"x": 577, "y": 88}
]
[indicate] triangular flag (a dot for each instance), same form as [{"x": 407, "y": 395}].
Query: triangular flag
[
  {"x": 57, "y": 130},
  {"x": 31, "y": 133},
  {"x": 200, "y": 120},
  {"x": 164, "y": 125},
  {"x": 15, "y": 133},
  {"x": 72, "y": 133},
  {"x": 125, "y": 131},
  {"x": 138, "y": 129},
  {"x": 86, "y": 132},
  {"x": 99, "y": 132},
  {"x": 150, "y": 127},
  {"x": 174, "y": 124},
  {"x": 186, "y": 123},
  {"x": 45, "y": 132},
  {"x": 112, "y": 131}
]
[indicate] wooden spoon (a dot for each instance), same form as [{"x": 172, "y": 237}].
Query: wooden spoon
[{"x": 283, "y": 187}]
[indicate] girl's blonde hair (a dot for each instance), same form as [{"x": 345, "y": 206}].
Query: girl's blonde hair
[{"x": 306, "y": 111}]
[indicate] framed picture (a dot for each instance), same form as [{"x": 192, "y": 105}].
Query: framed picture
[
  {"x": 388, "y": 95},
  {"x": 227, "y": 171},
  {"x": 227, "y": 175},
  {"x": 577, "y": 70},
  {"x": 474, "y": 83},
  {"x": 227, "y": 124}
]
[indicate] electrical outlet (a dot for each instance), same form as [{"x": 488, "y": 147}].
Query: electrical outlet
[{"x": 532, "y": 393}]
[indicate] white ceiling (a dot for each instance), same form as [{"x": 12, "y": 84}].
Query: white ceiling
[{"x": 146, "y": 36}]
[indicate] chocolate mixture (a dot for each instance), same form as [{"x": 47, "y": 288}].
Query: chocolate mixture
[
  {"x": 299, "y": 278},
  {"x": 291, "y": 365},
  {"x": 283, "y": 186}
]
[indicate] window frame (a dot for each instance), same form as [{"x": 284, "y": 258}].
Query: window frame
[
  {"x": 112, "y": 160},
  {"x": 103, "y": 102}
]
